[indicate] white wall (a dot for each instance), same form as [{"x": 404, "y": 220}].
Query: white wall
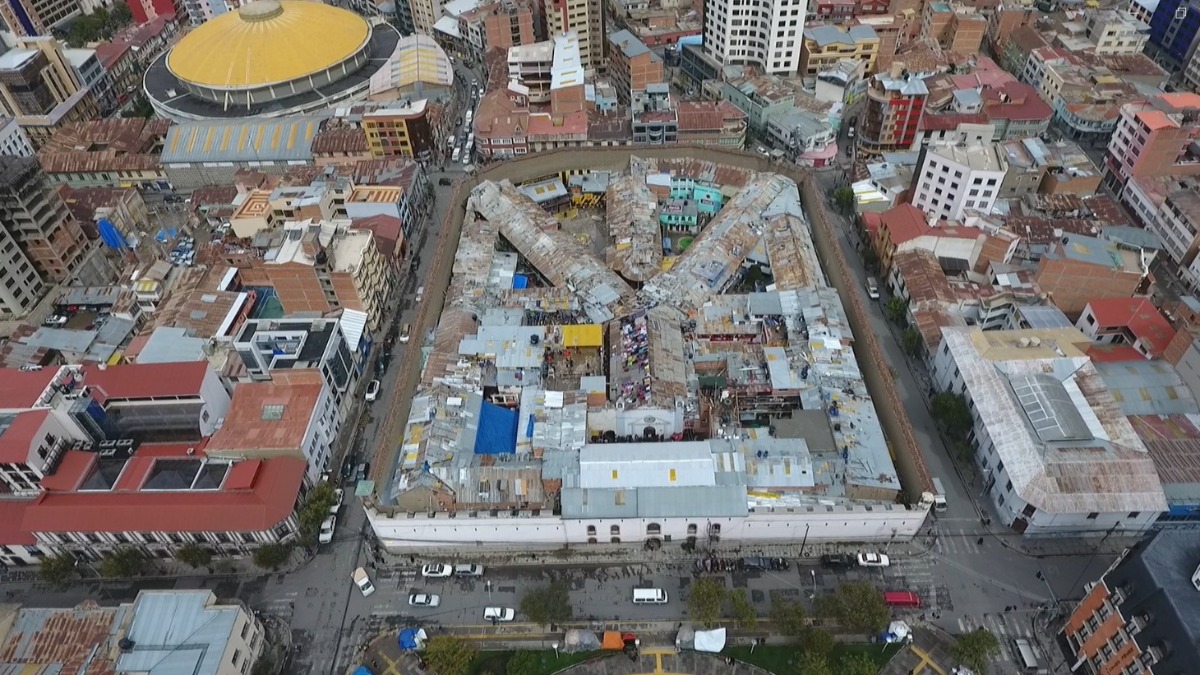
[
  {"x": 323, "y": 428},
  {"x": 216, "y": 402},
  {"x": 882, "y": 523}
]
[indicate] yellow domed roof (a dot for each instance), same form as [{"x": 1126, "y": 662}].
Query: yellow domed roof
[{"x": 268, "y": 41}]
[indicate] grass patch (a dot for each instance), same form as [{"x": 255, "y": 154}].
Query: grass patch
[
  {"x": 781, "y": 660},
  {"x": 496, "y": 663}
]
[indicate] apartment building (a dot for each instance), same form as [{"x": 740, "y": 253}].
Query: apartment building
[
  {"x": 1078, "y": 268},
  {"x": 631, "y": 64},
  {"x": 895, "y": 103},
  {"x": 400, "y": 129},
  {"x": 40, "y": 88},
  {"x": 1173, "y": 33},
  {"x": 1127, "y": 321},
  {"x": 94, "y": 76},
  {"x": 34, "y": 215},
  {"x": 33, "y": 18},
  {"x": 954, "y": 178},
  {"x": 825, "y": 46},
  {"x": 21, "y": 284},
  {"x": 956, "y": 28},
  {"x": 1154, "y": 137},
  {"x": 585, "y": 19},
  {"x": 1006, "y": 18},
  {"x": 1115, "y": 31},
  {"x": 13, "y": 140},
  {"x": 532, "y": 68},
  {"x": 1012, "y": 376},
  {"x": 424, "y": 13},
  {"x": 747, "y": 33},
  {"x": 1142, "y": 614}
]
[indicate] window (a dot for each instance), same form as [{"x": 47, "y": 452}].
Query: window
[
  {"x": 615, "y": 530},
  {"x": 1093, "y": 515},
  {"x": 245, "y": 629},
  {"x": 653, "y": 530},
  {"x": 237, "y": 655},
  {"x": 591, "y": 530},
  {"x": 691, "y": 528},
  {"x": 1008, "y": 486},
  {"x": 1134, "y": 514}
]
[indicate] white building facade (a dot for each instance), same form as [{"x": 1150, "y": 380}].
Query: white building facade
[
  {"x": 954, "y": 178},
  {"x": 744, "y": 32},
  {"x": 13, "y": 140}
]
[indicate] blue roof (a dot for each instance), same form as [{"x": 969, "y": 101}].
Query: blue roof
[
  {"x": 520, "y": 281},
  {"x": 497, "y": 430}
]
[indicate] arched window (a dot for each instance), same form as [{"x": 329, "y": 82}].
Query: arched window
[
  {"x": 653, "y": 530},
  {"x": 591, "y": 530},
  {"x": 691, "y": 528},
  {"x": 615, "y": 530}
]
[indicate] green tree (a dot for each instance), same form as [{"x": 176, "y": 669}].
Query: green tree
[
  {"x": 812, "y": 664},
  {"x": 896, "y": 309},
  {"x": 788, "y": 617},
  {"x": 976, "y": 649},
  {"x": 705, "y": 601},
  {"x": 449, "y": 655},
  {"x": 193, "y": 555},
  {"x": 57, "y": 570},
  {"x": 843, "y": 199},
  {"x": 314, "y": 511},
  {"x": 743, "y": 610},
  {"x": 857, "y": 664},
  {"x": 911, "y": 339},
  {"x": 123, "y": 562},
  {"x": 547, "y": 605},
  {"x": 816, "y": 641},
  {"x": 272, "y": 556},
  {"x": 858, "y": 608},
  {"x": 951, "y": 411}
]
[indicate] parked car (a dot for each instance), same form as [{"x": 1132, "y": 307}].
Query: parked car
[
  {"x": 445, "y": 181},
  {"x": 837, "y": 560},
  {"x": 423, "y": 600},
  {"x": 56, "y": 320},
  {"x": 30, "y": 367},
  {"x": 420, "y": 293},
  {"x": 498, "y": 614},
  {"x": 361, "y": 472},
  {"x": 436, "y": 571},
  {"x": 348, "y": 468},
  {"x": 873, "y": 560},
  {"x": 405, "y": 333},
  {"x": 468, "y": 570},
  {"x": 337, "y": 500},
  {"x": 373, "y": 390},
  {"x": 327, "y": 529},
  {"x": 363, "y": 582}
]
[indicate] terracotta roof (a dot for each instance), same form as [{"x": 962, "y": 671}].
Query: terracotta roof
[
  {"x": 609, "y": 127},
  {"x": 1139, "y": 315},
  {"x": 1044, "y": 230},
  {"x": 706, "y": 115},
  {"x": 19, "y": 390},
  {"x": 387, "y": 231},
  {"x": 1015, "y": 101},
  {"x": 1027, "y": 38},
  {"x": 903, "y": 222},
  {"x": 269, "y": 416},
  {"x": 83, "y": 202},
  {"x": 1106, "y": 210},
  {"x": 340, "y": 140},
  {"x": 108, "y": 53},
  {"x": 16, "y": 439},
  {"x": 570, "y": 124},
  {"x": 12, "y": 512},
  {"x": 119, "y": 144},
  {"x": 213, "y": 195},
  {"x": 950, "y": 121},
  {"x": 499, "y": 117},
  {"x": 256, "y": 496},
  {"x": 147, "y": 380}
]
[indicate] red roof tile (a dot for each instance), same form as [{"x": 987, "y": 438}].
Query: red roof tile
[
  {"x": 246, "y": 427},
  {"x": 257, "y": 495},
  {"x": 12, "y": 513},
  {"x": 1140, "y": 316},
  {"x": 903, "y": 222},
  {"x": 16, "y": 439},
  {"x": 19, "y": 390},
  {"x": 1114, "y": 353},
  {"x": 147, "y": 380}
]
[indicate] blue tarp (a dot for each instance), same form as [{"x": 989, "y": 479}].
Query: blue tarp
[
  {"x": 497, "y": 430},
  {"x": 529, "y": 429},
  {"x": 363, "y": 670},
  {"x": 111, "y": 236},
  {"x": 165, "y": 234},
  {"x": 409, "y": 639},
  {"x": 520, "y": 281}
]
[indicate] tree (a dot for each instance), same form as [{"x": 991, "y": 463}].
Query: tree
[
  {"x": 448, "y": 655},
  {"x": 743, "y": 610},
  {"x": 843, "y": 199},
  {"x": 911, "y": 339},
  {"x": 705, "y": 601},
  {"x": 272, "y": 556},
  {"x": 123, "y": 562},
  {"x": 976, "y": 649},
  {"x": 193, "y": 555},
  {"x": 57, "y": 570},
  {"x": 547, "y": 605},
  {"x": 858, "y": 607},
  {"x": 314, "y": 511},
  {"x": 951, "y": 411},
  {"x": 811, "y": 664},
  {"x": 816, "y": 641},
  {"x": 857, "y": 664},
  {"x": 896, "y": 309},
  {"x": 788, "y": 617}
]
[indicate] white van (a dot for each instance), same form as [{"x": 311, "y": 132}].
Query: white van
[
  {"x": 1026, "y": 656},
  {"x": 649, "y": 596},
  {"x": 363, "y": 582},
  {"x": 872, "y": 288},
  {"x": 456, "y": 154}
]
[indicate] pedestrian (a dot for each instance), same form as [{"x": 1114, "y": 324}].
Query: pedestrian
[{"x": 979, "y": 542}]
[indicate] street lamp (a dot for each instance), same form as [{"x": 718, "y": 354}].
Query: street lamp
[
  {"x": 555, "y": 648},
  {"x": 813, "y": 595}
]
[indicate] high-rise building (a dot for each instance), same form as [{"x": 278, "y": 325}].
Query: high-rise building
[
  {"x": 750, "y": 33},
  {"x": 631, "y": 64},
  {"x": 42, "y": 89},
  {"x": 30, "y": 18},
  {"x": 424, "y": 14},
  {"x": 145, "y": 10},
  {"x": 400, "y": 130},
  {"x": 1154, "y": 137},
  {"x": 953, "y": 178},
  {"x": 585, "y": 18},
  {"x": 1173, "y": 32},
  {"x": 34, "y": 214},
  {"x": 895, "y": 102}
]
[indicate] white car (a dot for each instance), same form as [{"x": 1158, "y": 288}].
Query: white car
[
  {"x": 436, "y": 571},
  {"x": 363, "y": 582},
  {"x": 327, "y": 529},
  {"x": 873, "y": 560},
  {"x": 496, "y": 614},
  {"x": 373, "y": 390},
  {"x": 468, "y": 570},
  {"x": 337, "y": 501},
  {"x": 424, "y": 600},
  {"x": 57, "y": 320}
]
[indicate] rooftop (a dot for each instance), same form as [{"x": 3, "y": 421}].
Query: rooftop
[
  {"x": 249, "y": 140},
  {"x": 179, "y": 632},
  {"x": 270, "y": 416}
]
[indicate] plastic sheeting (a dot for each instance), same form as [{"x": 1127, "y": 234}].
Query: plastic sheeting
[
  {"x": 897, "y": 631},
  {"x": 412, "y": 639},
  {"x": 612, "y": 640},
  {"x": 580, "y": 641},
  {"x": 711, "y": 641}
]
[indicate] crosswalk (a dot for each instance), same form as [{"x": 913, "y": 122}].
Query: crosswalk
[{"x": 956, "y": 541}]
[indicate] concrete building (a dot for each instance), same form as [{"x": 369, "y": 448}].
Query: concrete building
[
  {"x": 1154, "y": 137},
  {"x": 807, "y": 137},
  {"x": 1006, "y": 18},
  {"x": 33, "y": 214},
  {"x": 123, "y": 207},
  {"x": 424, "y": 13},
  {"x": 1115, "y": 31},
  {"x": 1035, "y": 166},
  {"x": 34, "y": 18},
  {"x": 1127, "y": 321},
  {"x": 655, "y": 121},
  {"x": 40, "y": 88},
  {"x": 1077, "y": 269},
  {"x": 93, "y": 76},
  {"x": 761, "y": 98},
  {"x": 955, "y": 28},
  {"x": 1169, "y": 208},
  {"x": 745, "y": 33},
  {"x": 825, "y": 46},
  {"x": 959, "y": 248},
  {"x": 953, "y": 179},
  {"x": 399, "y": 130},
  {"x": 895, "y": 102},
  {"x": 1173, "y": 33},
  {"x": 1039, "y": 409},
  {"x": 113, "y": 153},
  {"x": 711, "y": 122},
  {"x": 631, "y": 65},
  {"x": 13, "y": 140},
  {"x": 532, "y": 67},
  {"x": 585, "y": 19},
  {"x": 1142, "y": 613}
]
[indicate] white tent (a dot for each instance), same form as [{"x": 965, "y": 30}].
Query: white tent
[{"x": 710, "y": 640}]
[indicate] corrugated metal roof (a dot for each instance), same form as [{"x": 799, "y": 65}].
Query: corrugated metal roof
[
  {"x": 254, "y": 140},
  {"x": 178, "y": 632},
  {"x": 717, "y": 501},
  {"x": 354, "y": 322},
  {"x": 629, "y": 465},
  {"x": 1148, "y": 388}
]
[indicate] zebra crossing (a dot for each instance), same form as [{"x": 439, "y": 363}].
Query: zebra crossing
[{"x": 956, "y": 541}]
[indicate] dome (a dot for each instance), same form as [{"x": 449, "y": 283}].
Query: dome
[{"x": 268, "y": 42}]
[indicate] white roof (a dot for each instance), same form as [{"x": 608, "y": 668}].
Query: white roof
[
  {"x": 641, "y": 465},
  {"x": 567, "y": 70}
]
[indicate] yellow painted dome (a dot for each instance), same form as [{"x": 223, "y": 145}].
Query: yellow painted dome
[{"x": 267, "y": 42}]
